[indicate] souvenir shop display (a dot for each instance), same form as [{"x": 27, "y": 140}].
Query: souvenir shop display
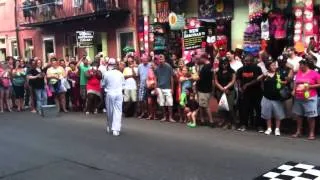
[
  {"x": 252, "y": 36},
  {"x": 255, "y": 9},
  {"x": 162, "y": 7}
]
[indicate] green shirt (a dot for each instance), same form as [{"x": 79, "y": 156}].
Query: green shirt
[{"x": 83, "y": 78}]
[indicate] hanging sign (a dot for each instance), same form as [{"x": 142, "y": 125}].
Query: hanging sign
[
  {"x": 193, "y": 38},
  {"x": 176, "y": 22},
  {"x": 85, "y": 39}
]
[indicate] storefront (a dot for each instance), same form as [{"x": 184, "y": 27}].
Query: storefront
[
  {"x": 274, "y": 25},
  {"x": 176, "y": 30}
]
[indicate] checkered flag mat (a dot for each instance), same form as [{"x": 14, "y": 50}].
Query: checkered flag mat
[{"x": 292, "y": 171}]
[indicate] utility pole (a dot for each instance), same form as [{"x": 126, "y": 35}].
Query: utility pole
[{"x": 16, "y": 8}]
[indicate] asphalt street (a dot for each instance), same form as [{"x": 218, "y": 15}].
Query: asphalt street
[{"x": 75, "y": 146}]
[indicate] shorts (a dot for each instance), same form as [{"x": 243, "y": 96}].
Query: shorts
[
  {"x": 318, "y": 104},
  {"x": 272, "y": 109},
  {"x": 142, "y": 93},
  {"x": 19, "y": 91},
  {"x": 83, "y": 91},
  {"x": 130, "y": 95},
  {"x": 164, "y": 97},
  {"x": 204, "y": 99},
  {"x": 306, "y": 107}
]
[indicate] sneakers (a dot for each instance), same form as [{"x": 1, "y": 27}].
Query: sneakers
[
  {"x": 260, "y": 130},
  {"x": 268, "y": 131},
  {"x": 87, "y": 113},
  {"x": 116, "y": 133},
  {"x": 104, "y": 110},
  {"x": 191, "y": 125},
  {"x": 277, "y": 132},
  {"x": 242, "y": 129},
  {"x": 108, "y": 130}
]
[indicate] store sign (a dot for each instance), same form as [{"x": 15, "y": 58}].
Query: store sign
[
  {"x": 193, "y": 38},
  {"x": 85, "y": 39},
  {"x": 176, "y": 22}
]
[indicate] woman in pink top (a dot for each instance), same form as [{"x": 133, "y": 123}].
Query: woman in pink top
[{"x": 305, "y": 92}]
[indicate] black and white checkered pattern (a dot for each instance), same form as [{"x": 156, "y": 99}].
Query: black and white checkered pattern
[{"x": 292, "y": 171}]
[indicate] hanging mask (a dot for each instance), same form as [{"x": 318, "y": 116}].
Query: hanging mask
[
  {"x": 308, "y": 15},
  {"x": 298, "y": 13}
]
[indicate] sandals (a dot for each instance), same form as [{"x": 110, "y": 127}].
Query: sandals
[
  {"x": 150, "y": 118},
  {"x": 142, "y": 116},
  {"x": 312, "y": 137},
  {"x": 296, "y": 135}
]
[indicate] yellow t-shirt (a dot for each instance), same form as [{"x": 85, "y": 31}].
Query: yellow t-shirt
[{"x": 60, "y": 72}]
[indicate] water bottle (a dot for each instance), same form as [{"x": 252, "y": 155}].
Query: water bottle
[{"x": 306, "y": 93}]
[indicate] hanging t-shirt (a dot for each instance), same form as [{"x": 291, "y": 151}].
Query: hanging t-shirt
[{"x": 265, "y": 30}]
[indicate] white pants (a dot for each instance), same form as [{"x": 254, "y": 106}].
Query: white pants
[{"x": 114, "y": 111}]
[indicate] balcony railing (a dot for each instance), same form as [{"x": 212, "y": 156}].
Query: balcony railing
[{"x": 41, "y": 11}]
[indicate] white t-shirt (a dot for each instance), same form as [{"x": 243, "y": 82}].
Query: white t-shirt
[
  {"x": 294, "y": 63},
  {"x": 211, "y": 39},
  {"x": 235, "y": 65},
  {"x": 130, "y": 82}
]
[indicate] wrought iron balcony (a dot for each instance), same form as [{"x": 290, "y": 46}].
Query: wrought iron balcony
[{"x": 37, "y": 12}]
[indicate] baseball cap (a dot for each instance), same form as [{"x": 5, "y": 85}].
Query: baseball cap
[{"x": 112, "y": 61}]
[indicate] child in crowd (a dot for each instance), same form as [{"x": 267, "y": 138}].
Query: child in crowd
[
  {"x": 186, "y": 83},
  {"x": 191, "y": 108}
]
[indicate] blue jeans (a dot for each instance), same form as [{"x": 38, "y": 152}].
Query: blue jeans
[{"x": 41, "y": 96}]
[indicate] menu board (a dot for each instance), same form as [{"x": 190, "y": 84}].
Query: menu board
[{"x": 193, "y": 38}]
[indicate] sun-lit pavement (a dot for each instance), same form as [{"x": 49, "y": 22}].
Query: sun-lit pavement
[{"x": 74, "y": 146}]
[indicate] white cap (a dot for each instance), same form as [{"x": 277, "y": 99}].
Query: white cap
[{"x": 112, "y": 61}]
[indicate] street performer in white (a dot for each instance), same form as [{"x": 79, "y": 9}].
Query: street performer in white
[{"x": 113, "y": 83}]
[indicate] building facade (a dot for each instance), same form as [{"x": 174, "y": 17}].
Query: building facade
[
  {"x": 47, "y": 27},
  {"x": 8, "y": 42}
]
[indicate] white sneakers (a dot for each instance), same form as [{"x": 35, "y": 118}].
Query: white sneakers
[
  {"x": 276, "y": 132},
  {"x": 116, "y": 133},
  {"x": 268, "y": 131}
]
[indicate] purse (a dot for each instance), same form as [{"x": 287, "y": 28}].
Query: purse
[{"x": 285, "y": 93}]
